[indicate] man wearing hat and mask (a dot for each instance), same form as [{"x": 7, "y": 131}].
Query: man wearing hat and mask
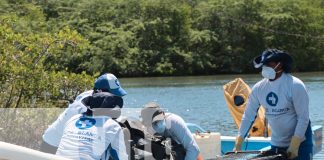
[
  {"x": 171, "y": 126},
  {"x": 94, "y": 135},
  {"x": 107, "y": 83},
  {"x": 286, "y": 103}
]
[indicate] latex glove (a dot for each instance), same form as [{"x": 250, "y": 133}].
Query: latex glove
[
  {"x": 200, "y": 157},
  {"x": 238, "y": 144},
  {"x": 292, "y": 151}
]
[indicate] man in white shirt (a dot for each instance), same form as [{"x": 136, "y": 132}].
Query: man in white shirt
[
  {"x": 104, "y": 83},
  {"x": 94, "y": 135},
  {"x": 286, "y": 103},
  {"x": 171, "y": 126}
]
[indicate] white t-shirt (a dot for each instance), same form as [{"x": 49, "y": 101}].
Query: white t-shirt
[
  {"x": 54, "y": 132},
  {"x": 92, "y": 138},
  {"x": 286, "y": 105}
]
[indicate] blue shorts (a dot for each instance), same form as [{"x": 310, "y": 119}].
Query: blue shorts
[{"x": 305, "y": 151}]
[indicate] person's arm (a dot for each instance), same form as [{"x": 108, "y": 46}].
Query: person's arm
[
  {"x": 300, "y": 102},
  {"x": 118, "y": 148},
  {"x": 301, "y": 105},
  {"x": 248, "y": 118},
  {"x": 54, "y": 132},
  {"x": 52, "y": 135},
  {"x": 250, "y": 113},
  {"x": 183, "y": 134}
]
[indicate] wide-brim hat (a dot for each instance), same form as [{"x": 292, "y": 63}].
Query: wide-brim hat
[
  {"x": 272, "y": 55},
  {"x": 109, "y": 82}
]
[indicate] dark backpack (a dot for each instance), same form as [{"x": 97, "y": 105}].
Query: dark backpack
[{"x": 142, "y": 145}]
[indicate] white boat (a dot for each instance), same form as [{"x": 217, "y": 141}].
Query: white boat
[
  {"x": 14, "y": 152},
  {"x": 212, "y": 144},
  {"x": 226, "y": 143}
]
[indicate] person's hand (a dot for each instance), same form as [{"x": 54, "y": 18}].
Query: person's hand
[
  {"x": 292, "y": 151},
  {"x": 200, "y": 157},
  {"x": 238, "y": 144}
]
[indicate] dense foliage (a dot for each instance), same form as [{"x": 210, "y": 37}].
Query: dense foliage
[
  {"x": 26, "y": 42},
  {"x": 173, "y": 37},
  {"x": 50, "y": 47}
]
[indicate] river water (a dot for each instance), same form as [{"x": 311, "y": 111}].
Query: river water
[
  {"x": 197, "y": 99},
  {"x": 200, "y": 99}
]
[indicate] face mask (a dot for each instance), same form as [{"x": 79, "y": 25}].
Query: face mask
[
  {"x": 159, "y": 127},
  {"x": 268, "y": 72}
]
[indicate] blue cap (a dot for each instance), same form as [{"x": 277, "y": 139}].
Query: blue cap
[{"x": 109, "y": 82}]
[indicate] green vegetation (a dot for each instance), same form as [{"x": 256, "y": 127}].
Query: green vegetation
[
  {"x": 27, "y": 42},
  {"x": 25, "y": 126},
  {"x": 53, "y": 49}
]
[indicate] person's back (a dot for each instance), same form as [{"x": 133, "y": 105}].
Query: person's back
[
  {"x": 91, "y": 138},
  {"x": 176, "y": 127},
  {"x": 107, "y": 83},
  {"x": 94, "y": 135}
]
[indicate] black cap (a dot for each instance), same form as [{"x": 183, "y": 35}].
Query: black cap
[{"x": 273, "y": 55}]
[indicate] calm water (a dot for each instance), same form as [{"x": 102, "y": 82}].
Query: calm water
[
  {"x": 197, "y": 99},
  {"x": 200, "y": 99}
]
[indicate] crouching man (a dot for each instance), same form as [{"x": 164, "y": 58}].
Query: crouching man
[
  {"x": 94, "y": 135},
  {"x": 107, "y": 83},
  {"x": 171, "y": 126}
]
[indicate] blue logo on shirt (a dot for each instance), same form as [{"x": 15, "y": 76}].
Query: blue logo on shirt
[
  {"x": 272, "y": 99},
  {"x": 84, "y": 123}
]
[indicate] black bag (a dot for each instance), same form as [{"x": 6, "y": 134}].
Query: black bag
[
  {"x": 178, "y": 152},
  {"x": 143, "y": 145},
  {"x": 167, "y": 148}
]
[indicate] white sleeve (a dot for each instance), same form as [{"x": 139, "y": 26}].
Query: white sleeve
[
  {"x": 183, "y": 134},
  {"x": 250, "y": 113},
  {"x": 301, "y": 104},
  {"x": 118, "y": 148},
  {"x": 54, "y": 132}
]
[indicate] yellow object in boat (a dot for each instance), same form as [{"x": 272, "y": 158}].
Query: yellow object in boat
[{"x": 236, "y": 95}]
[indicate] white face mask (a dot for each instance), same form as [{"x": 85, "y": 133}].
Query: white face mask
[
  {"x": 159, "y": 127},
  {"x": 268, "y": 72}
]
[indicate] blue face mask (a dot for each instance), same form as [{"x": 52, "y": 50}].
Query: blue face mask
[{"x": 159, "y": 127}]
